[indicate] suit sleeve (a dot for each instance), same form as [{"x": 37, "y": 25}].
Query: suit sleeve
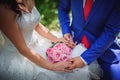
[
  {"x": 107, "y": 37},
  {"x": 63, "y": 15}
]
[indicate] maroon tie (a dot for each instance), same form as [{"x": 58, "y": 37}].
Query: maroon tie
[{"x": 87, "y": 8}]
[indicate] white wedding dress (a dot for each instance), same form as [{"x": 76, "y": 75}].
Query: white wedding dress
[{"x": 14, "y": 66}]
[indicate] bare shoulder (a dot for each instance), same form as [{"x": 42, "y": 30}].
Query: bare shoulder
[{"x": 7, "y": 16}]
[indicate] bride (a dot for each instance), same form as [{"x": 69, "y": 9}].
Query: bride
[{"x": 23, "y": 50}]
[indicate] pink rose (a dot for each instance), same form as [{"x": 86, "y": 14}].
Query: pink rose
[
  {"x": 57, "y": 55},
  {"x": 64, "y": 57},
  {"x": 58, "y": 52},
  {"x": 57, "y": 46},
  {"x": 49, "y": 51},
  {"x": 50, "y": 58},
  {"x": 66, "y": 49}
]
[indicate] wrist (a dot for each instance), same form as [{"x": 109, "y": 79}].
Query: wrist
[
  {"x": 55, "y": 40},
  {"x": 83, "y": 60},
  {"x": 82, "y": 63},
  {"x": 54, "y": 67},
  {"x": 48, "y": 65}
]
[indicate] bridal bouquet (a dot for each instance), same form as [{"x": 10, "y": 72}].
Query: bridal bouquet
[{"x": 58, "y": 52}]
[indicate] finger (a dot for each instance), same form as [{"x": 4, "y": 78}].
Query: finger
[
  {"x": 72, "y": 67},
  {"x": 71, "y": 60},
  {"x": 72, "y": 46},
  {"x": 22, "y": 7},
  {"x": 67, "y": 70},
  {"x": 66, "y": 42},
  {"x": 67, "y": 67},
  {"x": 67, "y": 36},
  {"x": 63, "y": 39},
  {"x": 18, "y": 1},
  {"x": 73, "y": 43},
  {"x": 69, "y": 45}
]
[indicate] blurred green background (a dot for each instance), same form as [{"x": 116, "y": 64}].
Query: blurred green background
[{"x": 49, "y": 13}]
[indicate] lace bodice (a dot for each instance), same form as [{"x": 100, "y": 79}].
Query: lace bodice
[{"x": 27, "y": 23}]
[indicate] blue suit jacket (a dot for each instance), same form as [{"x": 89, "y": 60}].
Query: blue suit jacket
[{"x": 101, "y": 27}]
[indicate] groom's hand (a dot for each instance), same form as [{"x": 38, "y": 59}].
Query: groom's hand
[
  {"x": 69, "y": 40},
  {"x": 61, "y": 66},
  {"x": 76, "y": 63}
]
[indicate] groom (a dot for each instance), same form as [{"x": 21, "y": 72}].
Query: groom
[{"x": 95, "y": 24}]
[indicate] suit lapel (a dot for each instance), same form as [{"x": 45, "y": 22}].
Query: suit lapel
[
  {"x": 81, "y": 10},
  {"x": 94, "y": 9}
]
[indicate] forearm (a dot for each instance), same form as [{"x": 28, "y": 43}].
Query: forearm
[
  {"x": 98, "y": 48},
  {"x": 45, "y": 33},
  {"x": 107, "y": 37},
  {"x": 63, "y": 15},
  {"x": 35, "y": 58}
]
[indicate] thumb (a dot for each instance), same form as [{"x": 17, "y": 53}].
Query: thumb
[
  {"x": 72, "y": 66},
  {"x": 67, "y": 36},
  {"x": 71, "y": 60}
]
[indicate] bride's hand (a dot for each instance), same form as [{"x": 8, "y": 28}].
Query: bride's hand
[
  {"x": 69, "y": 43},
  {"x": 60, "y": 40},
  {"x": 61, "y": 66}
]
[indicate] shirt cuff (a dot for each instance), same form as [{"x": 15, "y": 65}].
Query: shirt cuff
[{"x": 83, "y": 60}]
